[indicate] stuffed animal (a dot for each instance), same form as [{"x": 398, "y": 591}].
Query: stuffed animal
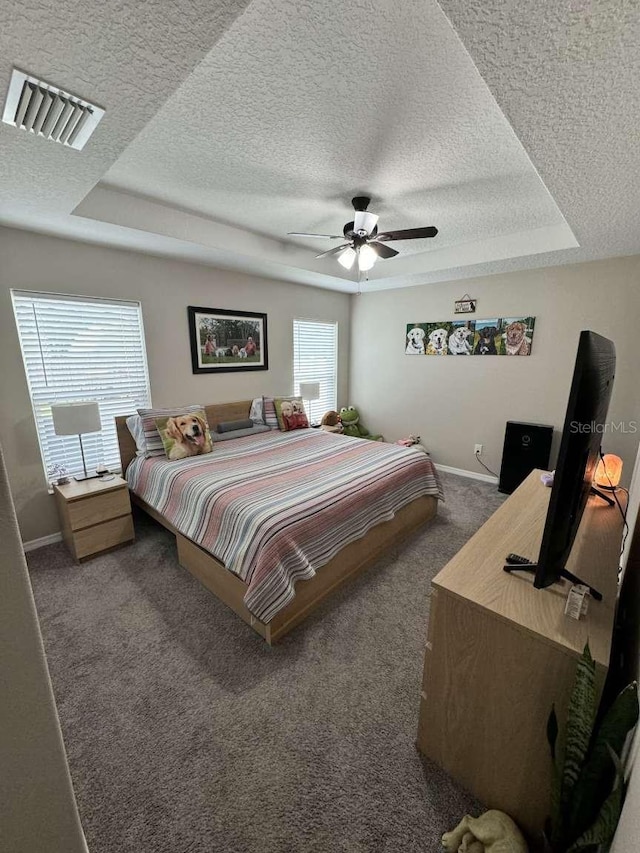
[
  {"x": 412, "y": 441},
  {"x": 331, "y": 422},
  {"x": 352, "y": 426},
  {"x": 492, "y": 832}
]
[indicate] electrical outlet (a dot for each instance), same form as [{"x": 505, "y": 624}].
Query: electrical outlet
[{"x": 478, "y": 450}]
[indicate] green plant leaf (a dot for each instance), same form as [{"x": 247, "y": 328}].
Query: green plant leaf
[
  {"x": 603, "y": 828},
  {"x": 580, "y": 718},
  {"x": 597, "y": 778}
]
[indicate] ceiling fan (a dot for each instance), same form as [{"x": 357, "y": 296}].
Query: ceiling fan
[{"x": 364, "y": 242}]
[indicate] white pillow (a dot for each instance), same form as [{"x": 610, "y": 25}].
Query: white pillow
[
  {"x": 134, "y": 425},
  {"x": 256, "y": 413}
]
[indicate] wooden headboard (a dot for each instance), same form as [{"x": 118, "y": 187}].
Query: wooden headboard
[{"x": 216, "y": 413}]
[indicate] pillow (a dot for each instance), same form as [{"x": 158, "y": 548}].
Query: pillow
[
  {"x": 269, "y": 412},
  {"x": 185, "y": 434},
  {"x": 256, "y": 411},
  {"x": 153, "y": 442},
  {"x": 230, "y": 426},
  {"x": 240, "y": 433},
  {"x": 290, "y": 413},
  {"x": 134, "y": 425}
]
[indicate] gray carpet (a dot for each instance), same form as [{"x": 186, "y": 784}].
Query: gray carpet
[{"x": 185, "y": 732}]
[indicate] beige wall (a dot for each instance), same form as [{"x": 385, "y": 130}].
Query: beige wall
[
  {"x": 454, "y": 403},
  {"x": 165, "y": 288},
  {"x": 39, "y": 813}
]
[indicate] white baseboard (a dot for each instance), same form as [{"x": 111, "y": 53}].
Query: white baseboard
[
  {"x": 473, "y": 475},
  {"x": 34, "y": 544}
]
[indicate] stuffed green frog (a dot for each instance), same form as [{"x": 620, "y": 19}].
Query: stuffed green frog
[{"x": 352, "y": 426}]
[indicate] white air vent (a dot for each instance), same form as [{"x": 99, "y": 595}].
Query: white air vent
[{"x": 44, "y": 110}]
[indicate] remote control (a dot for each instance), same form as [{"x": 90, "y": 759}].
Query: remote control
[{"x": 517, "y": 560}]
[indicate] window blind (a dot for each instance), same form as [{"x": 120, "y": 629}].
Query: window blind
[
  {"x": 78, "y": 349},
  {"x": 315, "y": 359}
]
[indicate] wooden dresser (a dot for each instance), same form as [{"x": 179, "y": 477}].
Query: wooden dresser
[
  {"x": 500, "y": 653},
  {"x": 95, "y": 515}
]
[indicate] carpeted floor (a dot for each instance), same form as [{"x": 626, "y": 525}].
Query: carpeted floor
[{"x": 186, "y": 733}]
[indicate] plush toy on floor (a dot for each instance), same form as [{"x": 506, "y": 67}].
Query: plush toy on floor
[
  {"x": 331, "y": 422},
  {"x": 412, "y": 441},
  {"x": 352, "y": 426},
  {"x": 492, "y": 832}
]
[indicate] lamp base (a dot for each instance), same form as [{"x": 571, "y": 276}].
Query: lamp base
[{"x": 81, "y": 477}]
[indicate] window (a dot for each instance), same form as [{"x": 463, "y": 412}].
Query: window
[
  {"x": 315, "y": 359},
  {"x": 77, "y": 349}
]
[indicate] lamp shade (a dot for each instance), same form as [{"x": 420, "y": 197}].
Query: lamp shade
[
  {"x": 76, "y": 418},
  {"x": 310, "y": 390},
  {"x": 347, "y": 258},
  {"x": 609, "y": 471},
  {"x": 367, "y": 256}
]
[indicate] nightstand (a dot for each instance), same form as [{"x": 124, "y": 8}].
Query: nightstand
[{"x": 95, "y": 515}]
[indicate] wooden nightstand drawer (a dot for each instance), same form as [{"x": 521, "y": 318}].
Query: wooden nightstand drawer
[
  {"x": 98, "y": 508},
  {"x": 95, "y": 515},
  {"x": 98, "y": 538}
]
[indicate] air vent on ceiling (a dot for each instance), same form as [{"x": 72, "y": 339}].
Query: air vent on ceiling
[{"x": 44, "y": 110}]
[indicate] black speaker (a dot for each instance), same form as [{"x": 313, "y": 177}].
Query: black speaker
[{"x": 526, "y": 446}]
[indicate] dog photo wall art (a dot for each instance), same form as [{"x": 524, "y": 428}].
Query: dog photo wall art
[
  {"x": 495, "y": 336},
  {"x": 223, "y": 340}
]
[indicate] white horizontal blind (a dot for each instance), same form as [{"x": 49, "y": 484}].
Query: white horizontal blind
[
  {"x": 315, "y": 359},
  {"x": 78, "y": 349}
]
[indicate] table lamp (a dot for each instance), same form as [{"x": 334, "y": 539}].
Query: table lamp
[
  {"x": 76, "y": 419},
  {"x": 309, "y": 391},
  {"x": 608, "y": 472}
]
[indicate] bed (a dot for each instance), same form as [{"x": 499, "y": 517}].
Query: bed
[{"x": 307, "y": 510}]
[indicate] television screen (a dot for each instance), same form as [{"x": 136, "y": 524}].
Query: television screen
[{"x": 584, "y": 426}]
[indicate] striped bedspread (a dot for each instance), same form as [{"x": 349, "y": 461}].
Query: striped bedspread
[{"x": 276, "y": 507}]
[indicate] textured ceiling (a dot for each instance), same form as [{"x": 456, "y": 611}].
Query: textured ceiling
[
  {"x": 300, "y": 106},
  {"x": 227, "y": 127},
  {"x": 567, "y": 77},
  {"x": 127, "y": 57}
]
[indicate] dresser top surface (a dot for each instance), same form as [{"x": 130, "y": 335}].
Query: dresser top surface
[{"x": 476, "y": 573}]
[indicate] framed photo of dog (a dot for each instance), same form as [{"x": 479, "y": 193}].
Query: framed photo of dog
[
  {"x": 223, "y": 341},
  {"x": 495, "y": 336}
]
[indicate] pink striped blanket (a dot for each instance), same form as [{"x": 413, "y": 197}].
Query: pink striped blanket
[{"x": 274, "y": 508}]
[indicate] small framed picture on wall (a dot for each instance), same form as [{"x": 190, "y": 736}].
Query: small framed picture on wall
[{"x": 223, "y": 341}]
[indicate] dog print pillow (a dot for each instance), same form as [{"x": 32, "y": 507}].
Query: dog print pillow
[
  {"x": 151, "y": 441},
  {"x": 185, "y": 435},
  {"x": 290, "y": 413}
]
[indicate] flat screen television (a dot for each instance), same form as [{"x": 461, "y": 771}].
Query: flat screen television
[{"x": 584, "y": 425}]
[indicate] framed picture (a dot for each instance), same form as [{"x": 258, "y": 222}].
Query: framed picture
[
  {"x": 465, "y": 305},
  {"x": 517, "y": 333},
  {"x": 223, "y": 341},
  {"x": 488, "y": 338},
  {"x": 495, "y": 336}
]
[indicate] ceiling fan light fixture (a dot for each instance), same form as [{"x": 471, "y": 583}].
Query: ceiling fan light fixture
[
  {"x": 367, "y": 256},
  {"x": 347, "y": 258},
  {"x": 363, "y": 221}
]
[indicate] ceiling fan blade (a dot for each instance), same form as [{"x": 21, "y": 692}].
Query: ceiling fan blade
[
  {"x": 363, "y": 221},
  {"x": 409, "y": 234},
  {"x": 383, "y": 251},
  {"x": 322, "y": 236},
  {"x": 333, "y": 251}
]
